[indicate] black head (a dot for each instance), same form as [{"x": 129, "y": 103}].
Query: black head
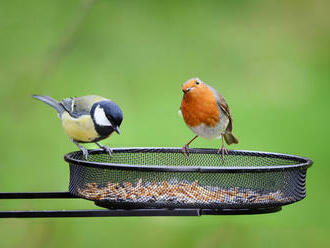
[{"x": 107, "y": 117}]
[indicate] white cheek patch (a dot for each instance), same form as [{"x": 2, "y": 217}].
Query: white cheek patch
[{"x": 100, "y": 117}]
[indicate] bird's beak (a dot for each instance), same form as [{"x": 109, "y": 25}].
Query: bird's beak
[
  {"x": 117, "y": 130},
  {"x": 186, "y": 90}
]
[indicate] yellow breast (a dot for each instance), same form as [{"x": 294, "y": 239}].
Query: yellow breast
[{"x": 79, "y": 129}]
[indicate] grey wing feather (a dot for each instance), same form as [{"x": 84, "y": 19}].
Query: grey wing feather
[
  {"x": 78, "y": 106},
  {"x": 68, "y": 104}
]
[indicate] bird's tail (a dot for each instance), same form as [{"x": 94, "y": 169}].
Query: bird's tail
[
  {"x": 51, "y": 102},
  {"x": 230, "y": 138}
]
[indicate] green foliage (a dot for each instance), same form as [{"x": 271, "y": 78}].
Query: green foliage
[{"x": 270, "y": 60}]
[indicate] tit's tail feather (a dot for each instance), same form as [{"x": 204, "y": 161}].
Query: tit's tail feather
[
  {"x": 51, "y": 102},
  {"x": 230, "y": 138}
]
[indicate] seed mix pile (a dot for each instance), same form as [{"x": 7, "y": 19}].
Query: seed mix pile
[{"x": 177, "y": 192}]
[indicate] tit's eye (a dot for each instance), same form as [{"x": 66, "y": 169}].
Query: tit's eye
[{"x": 197, "y": 82}]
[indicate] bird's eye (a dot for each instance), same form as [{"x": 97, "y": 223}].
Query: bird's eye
[{"x": 197, "y": 82}]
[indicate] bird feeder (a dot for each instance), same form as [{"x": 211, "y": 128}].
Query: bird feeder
[{"x": 163, "y": 182}]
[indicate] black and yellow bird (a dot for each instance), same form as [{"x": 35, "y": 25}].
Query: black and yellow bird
[{"x": 87, "y": 119}]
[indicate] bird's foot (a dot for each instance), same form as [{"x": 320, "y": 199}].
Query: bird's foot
[
  {"x": 105, "y": 148},
  {"x": 185, "y": 150},
  {"x": 108, "y": 150},
  {"x": 84, "y": 151},
  {"x": 223, "y": 150}
]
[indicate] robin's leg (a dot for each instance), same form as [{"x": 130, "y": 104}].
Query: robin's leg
[
  {"x": 223, "y": 149},
  {"x": 83, "y": 149},
  {"x": 185, "y": 148},
  {"x": 105, "y": 148}
]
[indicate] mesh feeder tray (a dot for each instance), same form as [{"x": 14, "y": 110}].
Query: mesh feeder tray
[{"x": 165, "y": 178}]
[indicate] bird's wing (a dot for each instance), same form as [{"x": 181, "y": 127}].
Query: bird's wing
[
  {"x": 222, "y": 104},
  {"x": 75, "y": 110},
  {"x": 78, "y": 106},
  {"x": 66, "y": 103}
]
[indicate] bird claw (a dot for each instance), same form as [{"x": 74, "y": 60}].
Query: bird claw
[
  {"x": 107, "y": 150},
  {"x": 223, "y": 150},
  {"x": 185, "y": 151},
  {"x": 85, "y": 152}
]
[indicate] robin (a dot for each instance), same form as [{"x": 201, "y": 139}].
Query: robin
[{"x": 206, "y": 113}]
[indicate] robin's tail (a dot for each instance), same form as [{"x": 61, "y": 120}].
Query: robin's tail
[
  {"x": 51, "y": 102},
  {"x": 230, "y": 138}
]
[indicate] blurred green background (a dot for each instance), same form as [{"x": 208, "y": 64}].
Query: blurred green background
[{"x": 270, "y": 60}]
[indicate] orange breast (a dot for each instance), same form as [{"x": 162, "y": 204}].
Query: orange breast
[{"x": 199, "y": 106}]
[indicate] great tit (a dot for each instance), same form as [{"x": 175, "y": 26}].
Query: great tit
[{"x": 87, "y": 119}]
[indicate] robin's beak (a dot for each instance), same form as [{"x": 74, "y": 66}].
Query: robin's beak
[
  {"x": 186, "y": 90},
  {"x": 117, "y": 130}
]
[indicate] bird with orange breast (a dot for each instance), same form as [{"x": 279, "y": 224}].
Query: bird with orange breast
[{"x": 206, "y": 113}]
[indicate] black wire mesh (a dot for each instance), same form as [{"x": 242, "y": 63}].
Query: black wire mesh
[{"x": 165, "y": 178}]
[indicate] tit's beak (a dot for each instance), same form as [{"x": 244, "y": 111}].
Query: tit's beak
[
  {"x": 186, "y": 90},
  {"x": 117, "y": 130}
]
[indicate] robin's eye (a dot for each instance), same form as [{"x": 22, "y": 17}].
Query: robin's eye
[{"x": 197, "y": 82}]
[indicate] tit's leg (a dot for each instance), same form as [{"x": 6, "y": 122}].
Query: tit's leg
[
  {"x": 223, "y": 149},
  {"x": 83, "y": 149},
  {"x": 105, "y": 148},
  {"x": 185, "y": 148}
]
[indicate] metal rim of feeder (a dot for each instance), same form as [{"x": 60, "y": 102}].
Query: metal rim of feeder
[{"x": 302, "y": 162}]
